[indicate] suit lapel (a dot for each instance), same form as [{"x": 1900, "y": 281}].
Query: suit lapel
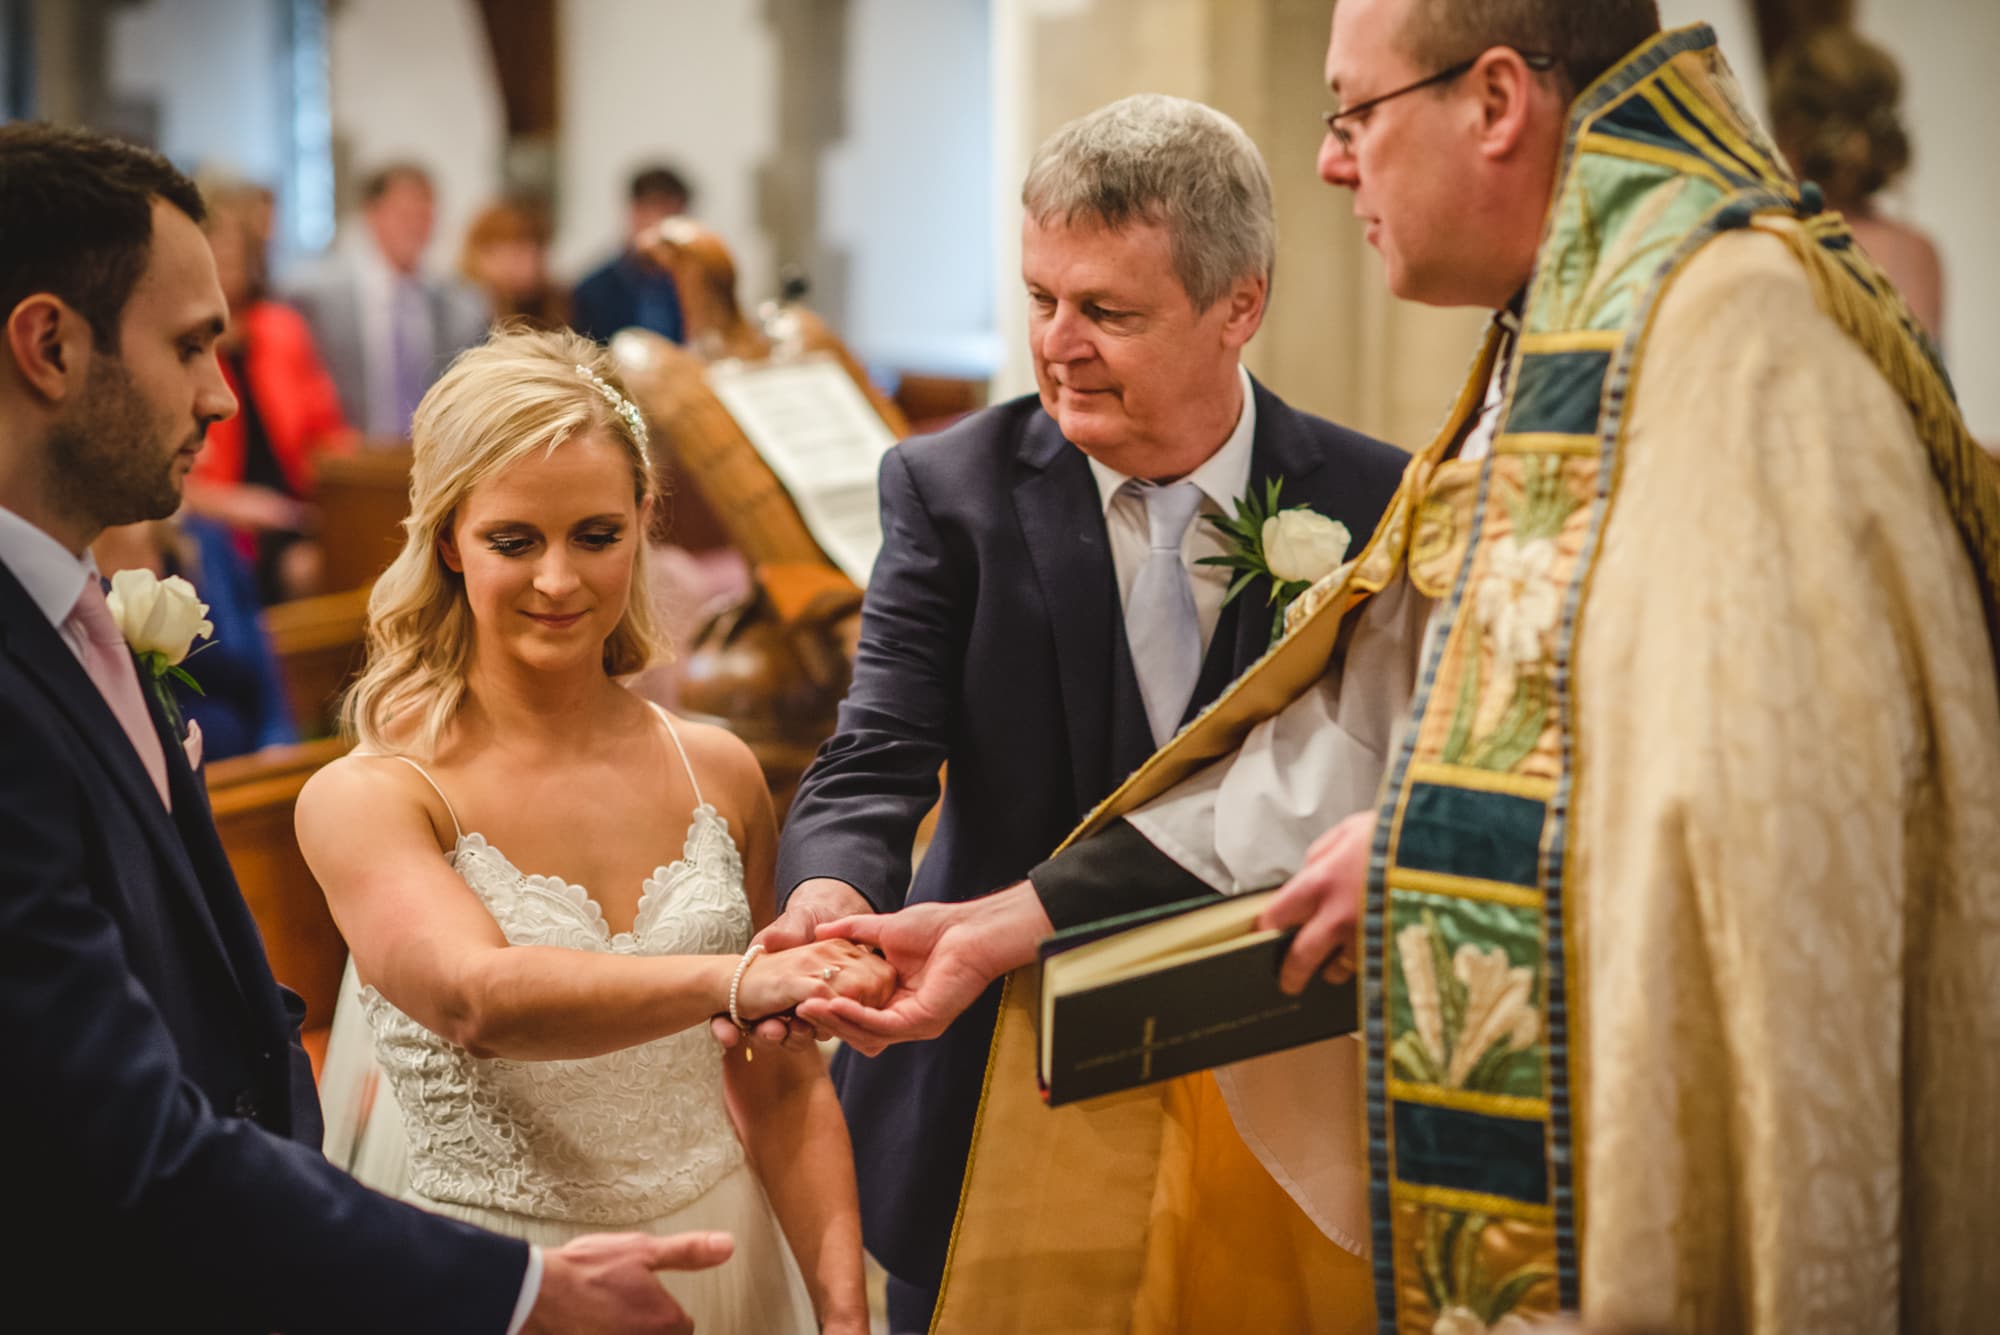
[
  {"x": 436, "y": 302},
  {"x": 1281, "y": 449},
  {"x": 43, "y": 657},
  {"x": 1062, "y": 522},
  {"x": 351, "y": 351},
  {"x": 213, "y": 880},
  {"x": 1223, "y": 662}
]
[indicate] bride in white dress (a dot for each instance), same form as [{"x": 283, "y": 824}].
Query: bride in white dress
[{"x": 548, "y": 885}]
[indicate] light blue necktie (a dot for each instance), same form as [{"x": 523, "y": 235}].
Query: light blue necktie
[{"x": 1160, "y": 621}]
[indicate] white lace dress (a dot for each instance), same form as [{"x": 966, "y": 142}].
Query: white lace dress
[{"x": 634, "y": 1140}]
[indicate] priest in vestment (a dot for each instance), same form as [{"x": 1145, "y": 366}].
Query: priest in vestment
[{"x": 1679, "y": 898}]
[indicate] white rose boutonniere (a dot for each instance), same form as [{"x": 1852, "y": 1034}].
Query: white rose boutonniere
[
  {"x": 1303, "y": 546},
  {"x": 1292, "y": 549},
  {"x": 161, "y": 619}
]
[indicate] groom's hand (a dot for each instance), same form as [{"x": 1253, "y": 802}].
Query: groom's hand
[
  {"x": 944, "y": 955},
  {"x": 821, "y": 899},
  {"x": 605, "y": 1283}
]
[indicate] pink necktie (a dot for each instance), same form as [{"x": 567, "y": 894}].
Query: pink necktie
[{"x": 109, "y": 664}]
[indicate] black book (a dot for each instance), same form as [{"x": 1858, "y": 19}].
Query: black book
[{"x": 1164, "y": 992}]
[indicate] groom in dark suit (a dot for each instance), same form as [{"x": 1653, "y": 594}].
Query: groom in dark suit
[
  {"x": 159, "y": 1115},
  {"x": 1038, "y": 620}
]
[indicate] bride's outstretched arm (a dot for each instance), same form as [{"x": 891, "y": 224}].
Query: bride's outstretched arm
[
  {"x": 786, "y": 1113},
  {"x": 422, "y": 938}
]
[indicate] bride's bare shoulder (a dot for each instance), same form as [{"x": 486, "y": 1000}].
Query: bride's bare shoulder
[
  {"x": 366, "y": 787},
  {"x": 724, "y": 765}
]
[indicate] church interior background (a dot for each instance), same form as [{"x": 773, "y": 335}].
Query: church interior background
[{"x": 876, "y": 146}]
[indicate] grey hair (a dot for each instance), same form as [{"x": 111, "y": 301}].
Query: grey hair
[{"x": 1172, "y": 163}]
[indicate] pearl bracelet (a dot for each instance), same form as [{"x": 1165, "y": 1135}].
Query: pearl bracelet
[{"x": 734, "y": 984}]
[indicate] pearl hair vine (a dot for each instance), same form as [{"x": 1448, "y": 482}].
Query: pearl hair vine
[{"x": 625, "y": 408}]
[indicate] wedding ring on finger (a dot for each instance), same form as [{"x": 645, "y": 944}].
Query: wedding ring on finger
[{"x": 826, "y": 974}]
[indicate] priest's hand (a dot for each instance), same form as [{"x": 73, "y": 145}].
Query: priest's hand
[
  {"x": 821, "y": 899},
  {"x": 945, "y": 955},
  {"x": 1323, "y": 900}
]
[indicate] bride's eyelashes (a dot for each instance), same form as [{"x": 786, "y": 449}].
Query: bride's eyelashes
[{"x": 595, "y": 539}]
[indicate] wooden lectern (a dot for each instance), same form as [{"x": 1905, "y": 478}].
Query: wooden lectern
[{"x": 774, "y": 667}]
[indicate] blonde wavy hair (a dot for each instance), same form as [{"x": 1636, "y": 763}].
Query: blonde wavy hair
[{"x": 517, "y": 394}]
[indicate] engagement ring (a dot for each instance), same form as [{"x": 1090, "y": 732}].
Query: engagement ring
[{"x": 826, "y": 974}]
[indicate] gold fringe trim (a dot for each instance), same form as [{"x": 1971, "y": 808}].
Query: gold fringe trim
[{"x": 1866, "y": 306}]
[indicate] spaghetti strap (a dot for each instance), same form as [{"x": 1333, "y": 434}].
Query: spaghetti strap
[
  {"x": 457, "y": 831},
  {"x": 687, "y": 764}
]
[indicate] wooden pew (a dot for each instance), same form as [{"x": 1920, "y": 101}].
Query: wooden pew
[
  {"x": 362, "y": 499},
  {"x": 319, "y": 643},
  {"x": 253, "y": 797},
  {"x": 319, "y": 646}
]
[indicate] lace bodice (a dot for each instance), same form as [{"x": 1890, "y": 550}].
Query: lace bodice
[{"x": 610, "y": 1140}]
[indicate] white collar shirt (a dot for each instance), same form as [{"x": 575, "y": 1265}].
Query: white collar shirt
[
  {"x": 1222, "y": 479},
  {"x": 45, "y": 568}
]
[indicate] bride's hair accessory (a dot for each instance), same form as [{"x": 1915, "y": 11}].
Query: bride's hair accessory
[
  {"x": 625, "y": 408},
  {"x": 735, "y": 984}
]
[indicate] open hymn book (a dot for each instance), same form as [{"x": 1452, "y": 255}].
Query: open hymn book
[
  {"x": 1168, "y": 991},
  {"x": 825, "y": 442}
]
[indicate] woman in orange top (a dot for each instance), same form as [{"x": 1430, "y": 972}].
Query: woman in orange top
[{"x": 256, "y": 474}]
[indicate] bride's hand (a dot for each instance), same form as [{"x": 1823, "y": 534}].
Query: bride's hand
[{"x": 774, "y": 983}]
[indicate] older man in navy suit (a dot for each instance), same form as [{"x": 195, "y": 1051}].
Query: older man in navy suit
[
  {"x": 1039, "y": 619},
  {"x": 159, "y": 1120}
]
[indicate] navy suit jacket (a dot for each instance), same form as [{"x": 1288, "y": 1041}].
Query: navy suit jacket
[
  {"x": 992, "y": 638},
  {"x": 161, "y": 1124},
  {"x": 626, "y": 293}
]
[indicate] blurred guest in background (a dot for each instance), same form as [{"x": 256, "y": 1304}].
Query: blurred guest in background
[
  {"x": 631, "y": 291},
  {"x": 256, "y": 476},
  {"x": 1834, "y": 98},
  {"x": 241, "y": 706},
  {"x": 385, "y": 328},
  {"x": 506, "y": 256}
]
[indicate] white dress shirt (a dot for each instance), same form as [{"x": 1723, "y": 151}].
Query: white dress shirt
[
  {"x": 46, "y": 569},
  {"x": 53, "y": 579},
  {"x": 1222, "y": 479}
]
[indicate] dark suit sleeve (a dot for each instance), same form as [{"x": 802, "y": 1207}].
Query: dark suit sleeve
[
  {"x": 856, "y": 813},
  {"x": 109, "y": 1129},
  {"x": 590, "y": 312},
  {"x": 308, "y": 1122},
  {"x": 1113, "y": 871}
]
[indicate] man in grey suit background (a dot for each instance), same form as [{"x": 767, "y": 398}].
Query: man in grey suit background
[{"x": 384, "y": 327}]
